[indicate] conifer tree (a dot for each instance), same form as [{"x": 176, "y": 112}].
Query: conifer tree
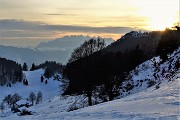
[
  {"x": 25, "y": 67},
  {"x": 33, "y": 67}
]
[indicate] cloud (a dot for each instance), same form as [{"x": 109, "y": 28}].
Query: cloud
[
  {"x": 56, "y": 14},
  {"x": 21, "y": 25},
  {"x": 12, "y": 31}
]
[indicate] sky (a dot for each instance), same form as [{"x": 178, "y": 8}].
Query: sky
[{"x": 27, "y": 22}]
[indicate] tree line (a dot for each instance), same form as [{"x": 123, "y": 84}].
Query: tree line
[
  {"x": 10, "y": 72},
  {"x": 51, "y": 68}
]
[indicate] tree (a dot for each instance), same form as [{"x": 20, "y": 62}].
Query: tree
[
  {"x": 53, "y": 67},
  {"x": 25, "y": 82},
  {"x": 39, "y": 97},
  {"x": 10, "y": 71},
  {"x": 25, "y": 67},
  {"x": 42, "y": 78},
  {"x": 11, "y": 100},
  {"x": 168, "y": 43},
  {"x": 2, "y": 107},
  {"x": 46, "y": 82},
  {"x": 7, "y": 99},
  {"x": 177, "y": 65},
  {"x": 14, "y": 99},
  {"x": 137, "y": 56},
  {"x": 112, "y": 87},
  {"x": 33, "y": 67},
  {"x": 87, "y": 48},
  {"x": 75, "y": 74},
  {"x": 47, "y": 73},
  {"x": 32, "y": 97}
]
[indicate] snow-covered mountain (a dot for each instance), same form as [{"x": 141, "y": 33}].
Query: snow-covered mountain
[
  {"x": 68, "y": 43},
  {"x": 151, "y": 91}
]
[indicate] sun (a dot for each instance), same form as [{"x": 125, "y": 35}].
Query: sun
[
  {"x": 160, "y": 22},
  {"x": 160, "y": 14}
]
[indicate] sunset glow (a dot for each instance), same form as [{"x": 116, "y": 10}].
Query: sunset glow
[{"x": 88, "y": 15}]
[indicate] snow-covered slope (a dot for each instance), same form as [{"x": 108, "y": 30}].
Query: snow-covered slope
[
  {"x": 141, "y": 102},
  {"x": 150, "y": 104},
  {"x": 149, "y": 73},
  {"x": 35, "y": 85}
]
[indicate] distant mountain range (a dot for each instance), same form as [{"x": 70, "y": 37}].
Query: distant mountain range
[
  {"x": 67, "y": 43},
  {"x": 58, "y": 50}
]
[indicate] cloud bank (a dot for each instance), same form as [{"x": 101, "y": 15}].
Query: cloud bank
[{"x": 13, "y": 29}]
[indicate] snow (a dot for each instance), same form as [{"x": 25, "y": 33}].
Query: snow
[
  {"x": 145, "y": 73},
  {"x": 142, "y": 103},
  {"x": 34, "y": 85},
  {"x": 151, "y": 104},
  {"x": 134, "y": 34}
]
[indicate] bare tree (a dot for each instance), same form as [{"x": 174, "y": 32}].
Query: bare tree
[
  {"x": 32, "y": 97},
  {"x": 13, "y": 101},
  {"x": 39, "y": 97},
  {"x": 87, "y": 48},
  {"x": 7, "y": 99}
]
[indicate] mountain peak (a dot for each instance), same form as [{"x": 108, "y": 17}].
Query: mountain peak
[{"x": 134, "y": 34}]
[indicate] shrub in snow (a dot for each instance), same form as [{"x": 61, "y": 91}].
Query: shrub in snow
[
  {"x": 151, "y": 83},
  {"x": 163, "y": 71},
  {"x": 9, "y": 85},
  {"x": 141, "y": 81},
  {"x": 144, "y": 66},
  {"x": 2, "y": 107},
  {"x": 157, "y": 86},
  {"x": 15, "y": 110},
  {"x": 57, "y": 77},
  {"x": 136, "y": 72},
  {"x": 46, "y": 82},
  {"x": 25, "y": 112},
  {"x": 72, "y": 107},
  {"x": 177, "y": 65},
  {"x": 129, "y": 87}
]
